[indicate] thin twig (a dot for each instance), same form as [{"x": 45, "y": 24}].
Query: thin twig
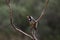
[
  {"x": 11, "y": 21},
  {"x": 36, "y": 21},
  {"x": 44, "y": 10},
  {"x": 19, "y": 30},
  {"x": 34, "y": 34}
]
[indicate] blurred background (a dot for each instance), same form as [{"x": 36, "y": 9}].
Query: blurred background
[{"x": 48, "y": 27}]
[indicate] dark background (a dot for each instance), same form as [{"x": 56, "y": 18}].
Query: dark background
[{"x": 49, "y": 25}]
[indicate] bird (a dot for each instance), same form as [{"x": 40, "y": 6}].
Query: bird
[{"x": 32, "y": 22}]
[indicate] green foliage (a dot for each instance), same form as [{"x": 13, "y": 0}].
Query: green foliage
[{"x": 22, "y": 8}]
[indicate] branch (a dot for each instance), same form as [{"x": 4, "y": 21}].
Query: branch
[
  {"x": 44, "y": 10},
  {"x": 19, "y": 30},
  {"x": 34, "y": 34},
  {"x": 11, "y": 21}
]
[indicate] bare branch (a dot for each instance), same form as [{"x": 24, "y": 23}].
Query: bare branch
[
  {"x": 43, "y": 12},
  {"x": 19, "y": 30},
  {"x": 11, "y": 21},
  {"x": 36, "y": 21},
  {"x": 34, "y": 34}
]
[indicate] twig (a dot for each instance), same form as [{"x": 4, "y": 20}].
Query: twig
[
  {"x": 34, "y": 34},
  {"x": 11, "y": 21},
  {"x": 35, "y": 22},
  {"x": 19, "y": 30},
  {"x": 44, "y": 10}
]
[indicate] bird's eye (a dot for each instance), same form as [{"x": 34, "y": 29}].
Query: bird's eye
[{"x": 29, "y": 19}]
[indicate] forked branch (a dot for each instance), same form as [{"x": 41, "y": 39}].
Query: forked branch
[
  {"x": 11, "y": 20},
  {"x": 33, "y": 21},
  {"x": 44, "y": 10}
]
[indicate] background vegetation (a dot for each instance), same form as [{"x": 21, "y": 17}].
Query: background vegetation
[{"x": 49, "y": 26}]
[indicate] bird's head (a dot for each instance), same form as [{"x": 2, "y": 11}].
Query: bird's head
[{"x": 29, "y": 18}]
